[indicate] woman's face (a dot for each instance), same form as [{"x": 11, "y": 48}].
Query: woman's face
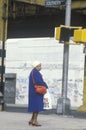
[{"x": 39, "y": 67}]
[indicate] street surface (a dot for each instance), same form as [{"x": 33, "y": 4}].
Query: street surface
[{"x": 19, "y": 121}]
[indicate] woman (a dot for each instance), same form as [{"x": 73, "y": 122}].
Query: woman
[{"x": 35, "y": 104}]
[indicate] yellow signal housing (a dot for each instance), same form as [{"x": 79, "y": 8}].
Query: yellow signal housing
[
  {"x": 80, "y": 36},
  {"x": 84, "y": 36},
  {"x": 57, "y": 33},
  {"x": 77, "y": 35}
]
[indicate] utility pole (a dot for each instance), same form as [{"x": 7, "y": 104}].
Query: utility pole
[
  {"x": 63, "y": 103},
  {"x": 66, "y": 58}
]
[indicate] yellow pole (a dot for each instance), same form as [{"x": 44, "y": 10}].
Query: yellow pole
[
  {"x": 2, "y": 2},
  {"x": 3, "y": 37},
  {"x": 82, "y": 108}
]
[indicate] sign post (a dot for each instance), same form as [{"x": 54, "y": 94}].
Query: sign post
[
  {"x": 63, "y": 104},
  {"x": 66, "y": 59}
]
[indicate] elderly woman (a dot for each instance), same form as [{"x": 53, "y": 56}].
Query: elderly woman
[{"x": 35, "y": 104}]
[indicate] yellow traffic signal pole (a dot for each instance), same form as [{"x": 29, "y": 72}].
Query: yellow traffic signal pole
[
  {"x": 80, "y": 37},
  {"x": 82, "y": 108}
]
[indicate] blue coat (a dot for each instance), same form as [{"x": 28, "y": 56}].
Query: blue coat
[{"x": 35, "y": 101}]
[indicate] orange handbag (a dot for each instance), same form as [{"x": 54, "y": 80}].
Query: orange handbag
[{"x": 39, "y": 88}]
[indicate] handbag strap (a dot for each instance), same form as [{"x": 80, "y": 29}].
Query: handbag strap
[{"x": 33, "y": 78}]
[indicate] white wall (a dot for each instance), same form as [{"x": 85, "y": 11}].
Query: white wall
[{"x": 21, "y": 53}]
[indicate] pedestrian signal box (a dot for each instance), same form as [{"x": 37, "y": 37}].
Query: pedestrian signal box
[
  {"x": 64, "y": 33},
  {"x": 80, "y": 36}
]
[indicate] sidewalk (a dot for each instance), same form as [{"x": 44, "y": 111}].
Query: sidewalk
[
  {"x": 19, "y": 121},
  {"x": 23, "y": 109}
]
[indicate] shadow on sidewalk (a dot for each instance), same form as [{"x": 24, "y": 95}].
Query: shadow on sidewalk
[{"x": 24, "y": 109}]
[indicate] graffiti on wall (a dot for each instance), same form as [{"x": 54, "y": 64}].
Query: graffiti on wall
[{"x": 74, "y": 91}]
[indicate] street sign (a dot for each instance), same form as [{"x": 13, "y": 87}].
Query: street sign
[{"x": 54, "y": 3}]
